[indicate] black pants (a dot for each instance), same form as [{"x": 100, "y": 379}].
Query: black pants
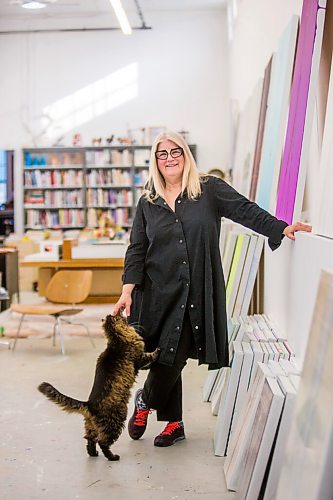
[{"x": 162, "y": 390}]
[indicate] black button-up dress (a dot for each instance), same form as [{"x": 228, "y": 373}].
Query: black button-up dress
[{"x": 174, "y": 260}]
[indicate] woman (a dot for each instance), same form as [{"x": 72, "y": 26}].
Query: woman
[{"x": 173, "y": 285}]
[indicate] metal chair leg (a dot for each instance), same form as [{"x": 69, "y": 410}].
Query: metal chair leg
[
  {"x": 54, "y": 333},
  {"x": 80, "y": 324},
  {"x": 62, "y": 343},
  {"x": 18, "y": 331}
]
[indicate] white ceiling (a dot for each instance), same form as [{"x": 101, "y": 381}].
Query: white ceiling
[{"x": 89, "y": 12}]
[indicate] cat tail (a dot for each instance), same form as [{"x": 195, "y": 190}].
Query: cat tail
[{"x": 68, "y": 404}]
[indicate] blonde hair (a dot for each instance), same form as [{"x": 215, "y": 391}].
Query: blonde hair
[{"x": 155, "y": 185}]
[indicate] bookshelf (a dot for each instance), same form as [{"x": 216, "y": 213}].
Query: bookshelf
[{"x": 68, "y": 187}]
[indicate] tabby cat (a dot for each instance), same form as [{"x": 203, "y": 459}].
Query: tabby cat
[{"x": 105, "y": 411}]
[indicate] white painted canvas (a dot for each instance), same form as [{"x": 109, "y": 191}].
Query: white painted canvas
[
  {"x": 246, "y": 141},
  {"x": 244, "y": 380},
  {"x": 307, "y": 464},
  {"x": 235, "y": 462},
  {"x": 276, "y": 117},
  {"x": 263, "y": 434},
  {"x": 226, "y": 410},
  {"x": 289, "y": 392},
  {"x": 219, "y": 388},
  {"x": 209, "y": 384},
  {"x": 323, "y": 223}
]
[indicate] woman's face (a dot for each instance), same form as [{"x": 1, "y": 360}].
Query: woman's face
[{"x": 172, "y": 166}]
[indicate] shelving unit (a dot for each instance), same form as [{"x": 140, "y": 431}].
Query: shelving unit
[{"x": 68, "y": 187}]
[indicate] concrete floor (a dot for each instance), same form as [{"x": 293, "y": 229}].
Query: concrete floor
[{"x": 43, "y": 453}]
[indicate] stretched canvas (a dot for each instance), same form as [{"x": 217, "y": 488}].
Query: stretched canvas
[
  {"x": 209, "y": 385},
  {"x": 263, "y": 434},
  {"x": 289, "y": 392},
  {"x": 252, "y": 276},
  {"x": 307, "y": 464},
  {"x": 246, "y": 139},
  {"x": 258, "y": 357},
  {"x": 219, "y": 390},
  {"x": 236, "y": 271},
  {"x": 234, "y": 465},
  {"x": 276, "y": 119},
  {"x": 245, "y": 275},
  {"x": 229, "y": 250},
  {"x": 243, "y": 382},
  {"x": 226, "y": 410},
  {"x": 302, "y": 101},
  {"x": 260, "y": 131},
  {"x": 323, "y": 223}
]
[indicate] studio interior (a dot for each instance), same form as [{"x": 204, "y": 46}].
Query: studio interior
[{"x": 153, "y": 153}]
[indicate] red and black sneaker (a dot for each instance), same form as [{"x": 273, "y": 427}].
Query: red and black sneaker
[
  {"x": 138, "y": 422},
  {"x": 173, "y": 432}
]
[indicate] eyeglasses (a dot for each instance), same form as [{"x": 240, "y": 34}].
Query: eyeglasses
[{"x": 164, "y": 153}]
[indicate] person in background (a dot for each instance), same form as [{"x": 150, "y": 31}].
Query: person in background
[
  {"x": 217, "y": 172},
  {"x": 173, "y": 284}
]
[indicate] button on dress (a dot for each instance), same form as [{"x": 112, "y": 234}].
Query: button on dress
[{"x": 174, "y": 260}]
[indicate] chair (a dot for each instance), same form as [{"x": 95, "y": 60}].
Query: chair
[{"x": 65, "y": 287}]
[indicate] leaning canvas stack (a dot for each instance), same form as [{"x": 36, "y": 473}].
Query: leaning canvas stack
[
  {"x": 241, "y": 251},
  {"x": 278, "y": 437},
  {"x": 250, "y": 344},
  {"x": 307, "y": 463}
]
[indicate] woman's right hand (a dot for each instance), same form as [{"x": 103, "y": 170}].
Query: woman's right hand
[{"x": 125, "y": 300}]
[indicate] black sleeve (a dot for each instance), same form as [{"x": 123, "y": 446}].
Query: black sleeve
[
  {"x": 236, "y": 207},
  {"x": 136, "y": 253}
]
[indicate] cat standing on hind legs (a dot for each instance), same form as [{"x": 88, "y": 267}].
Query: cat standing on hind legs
[{"x": 105, "y": 411}]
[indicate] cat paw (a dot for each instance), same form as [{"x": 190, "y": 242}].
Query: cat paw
[
  {"x": 156, "y": 354},
  {"x": 93, "y": 454},
  {"x": 91, "y": 449}
]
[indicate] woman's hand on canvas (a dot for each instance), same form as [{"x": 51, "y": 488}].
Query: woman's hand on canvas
[{"x": 290, "y": 231}]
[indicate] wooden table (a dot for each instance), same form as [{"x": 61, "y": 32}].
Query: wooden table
[{"x": 107, "y": 273}]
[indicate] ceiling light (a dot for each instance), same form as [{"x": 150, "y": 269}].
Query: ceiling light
[
  {"x": 33, "y": 5},
  {"x": 121, "y": 16}
]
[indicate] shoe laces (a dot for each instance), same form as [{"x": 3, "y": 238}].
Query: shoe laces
[
  {"x": 141, "y": 417},
  {"x": 169, "y": 428}
]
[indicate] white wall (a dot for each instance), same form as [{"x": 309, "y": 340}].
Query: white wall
[
  {"x": 257, "y": 29},
  {"x": 182, "y": 82}
]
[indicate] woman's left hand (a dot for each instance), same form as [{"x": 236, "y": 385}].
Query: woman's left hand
[{"x": 290, "y": 231}]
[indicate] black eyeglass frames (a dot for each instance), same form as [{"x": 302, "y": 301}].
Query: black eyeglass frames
[{"x": 164, "y": 153}]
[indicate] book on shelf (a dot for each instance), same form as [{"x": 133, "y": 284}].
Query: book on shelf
[{"x": 59, "y": 180}]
